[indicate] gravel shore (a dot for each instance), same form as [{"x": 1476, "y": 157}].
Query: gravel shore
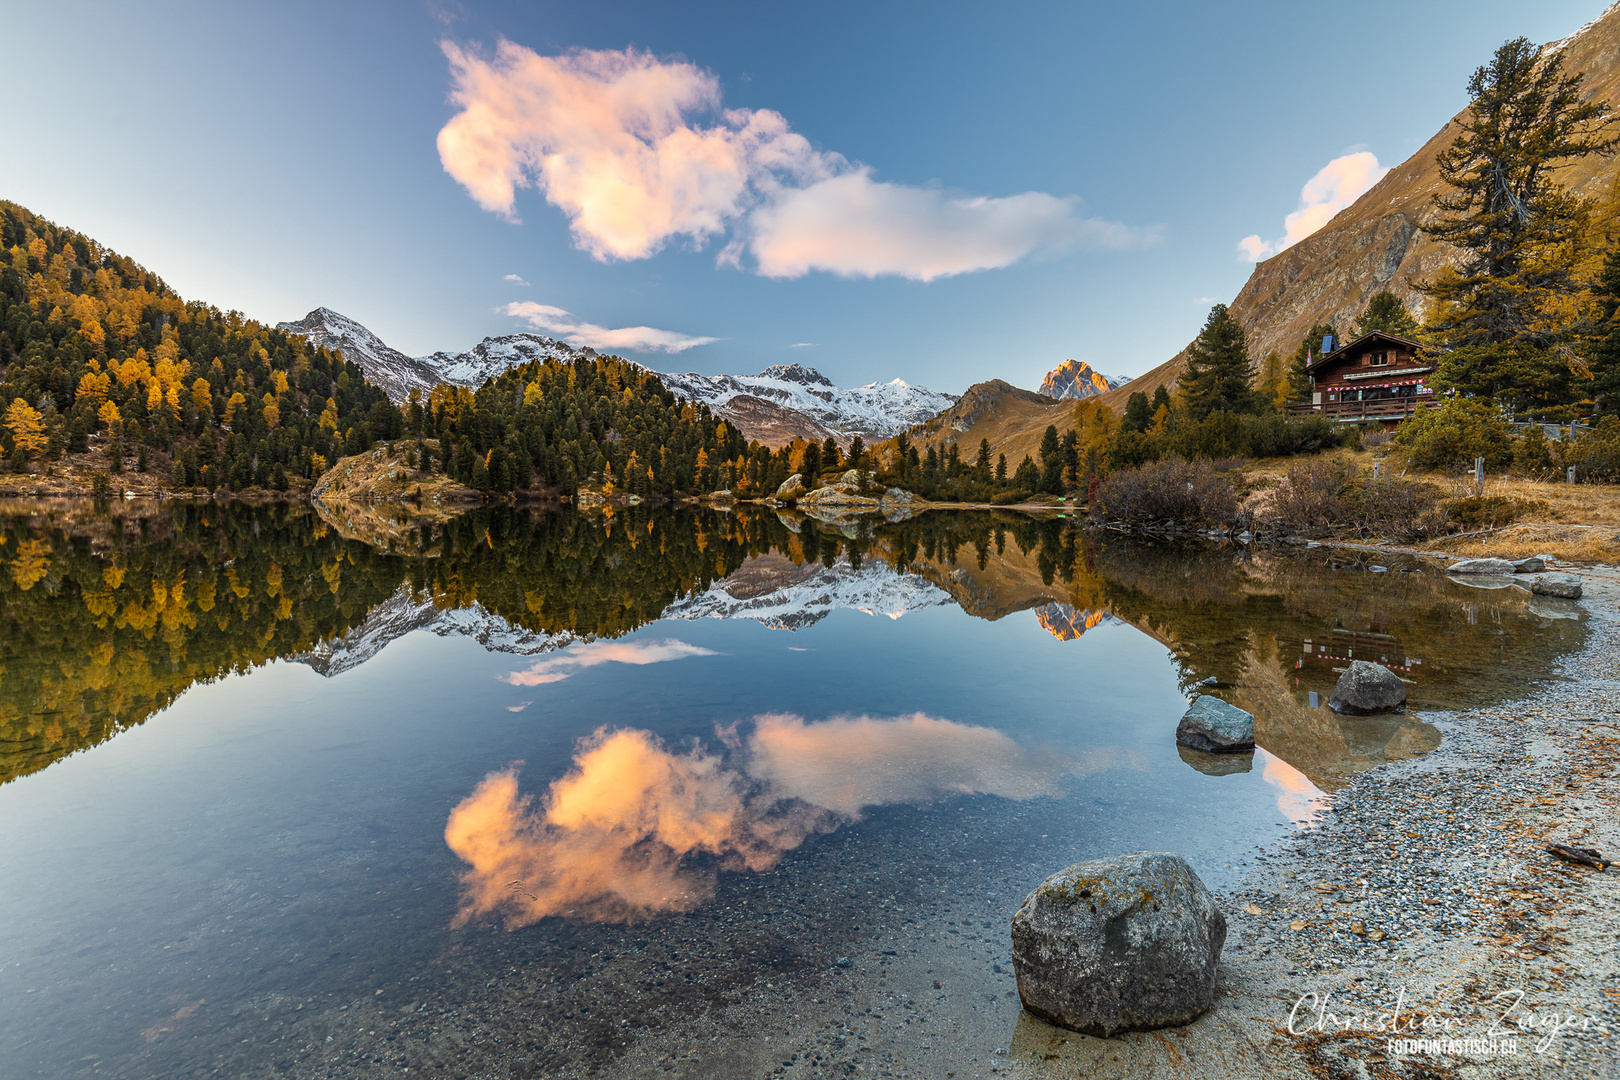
[{"x": 1424, "y": 897}]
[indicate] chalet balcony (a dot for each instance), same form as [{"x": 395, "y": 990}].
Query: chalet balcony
[{"x": 1392, "y": 408}]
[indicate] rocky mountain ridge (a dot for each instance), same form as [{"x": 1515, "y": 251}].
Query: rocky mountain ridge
[
  {"x": 1078, "y": 379},
  {"x": 781, "y": 403}
]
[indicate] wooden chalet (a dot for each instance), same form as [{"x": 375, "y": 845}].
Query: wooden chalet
[{"x": 1377, "y": 377}]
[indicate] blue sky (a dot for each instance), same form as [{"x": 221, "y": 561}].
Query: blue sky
[{"x": 942, "y": 193}]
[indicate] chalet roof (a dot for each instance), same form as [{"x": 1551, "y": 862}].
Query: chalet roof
[{"x": 1374, "y": 337}]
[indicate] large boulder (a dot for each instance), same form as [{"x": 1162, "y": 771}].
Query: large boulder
[
  {"x": 791, "y": 488},
  {"x": 1213, "y": 726},
  {"x": 1121, "y": 944},
  {"x": 1567, "y": 586},
  {"x": 1481, "y": 566},
  {"x": 1366, "y": 688}
]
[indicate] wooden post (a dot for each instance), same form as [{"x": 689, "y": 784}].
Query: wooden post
[
  {"x": 1571, "y": 474},
  {"x": 1479, "y": 470}
]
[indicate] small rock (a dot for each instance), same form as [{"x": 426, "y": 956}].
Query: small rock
[
  {"x": 1567, "y": 586},
  {"x": 1366, "y": 688},
  {"x": 1213, "y": 726},
  {"x": 1481, "y": 566},
  {"x": 1122, "y": 944},
  {"x": 1535, "y": 564}
]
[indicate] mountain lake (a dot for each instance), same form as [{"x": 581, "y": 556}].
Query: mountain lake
[{"x": 293, "y": 791}]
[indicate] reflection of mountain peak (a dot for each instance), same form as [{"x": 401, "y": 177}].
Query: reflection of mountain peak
[
  {"x": 783, "y": 595},
  {"x": 1067, "y": 623},
  {"x": 402, "y": 613}
]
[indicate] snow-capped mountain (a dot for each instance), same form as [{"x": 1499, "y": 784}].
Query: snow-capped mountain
[
  {"x": 1077, "y": 379},
  {"x": 776, "y": 406},
  {"x": 772, "y": 590},
  {"x": 400, "y": 614},
  {"x": 397, "y": 373},
  {"x": 494, "y": 355},
  {"x": 875, "y": 411},
  {"x": 389, "y": 368}
]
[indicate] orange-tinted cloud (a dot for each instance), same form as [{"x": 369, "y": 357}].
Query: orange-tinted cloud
[
  {"x": 614, "y": 139},
  {"x": 635, "y": 828},
  {"x": 570, "y": 661},
  {"x": 1338, "y": 184}
]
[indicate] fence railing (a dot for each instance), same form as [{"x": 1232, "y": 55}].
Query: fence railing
[
  {"x": 1553, "y": 432},
  {"x": 1374, "y": 409}
]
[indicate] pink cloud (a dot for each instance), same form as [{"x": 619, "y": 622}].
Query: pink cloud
[
  {"x": 613, "y": 140},
  {"x": 629, "y": 338},
  {"x": 1338, "y": 184}
]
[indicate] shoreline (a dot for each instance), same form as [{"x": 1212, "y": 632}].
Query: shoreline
[{"x": 1444, "y": 855}]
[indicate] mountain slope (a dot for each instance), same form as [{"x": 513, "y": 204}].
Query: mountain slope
[
  {"x": 1077, "y": 379},
  {"x": 389, "y": 368},
  {"x": 1374, "y": 244}
]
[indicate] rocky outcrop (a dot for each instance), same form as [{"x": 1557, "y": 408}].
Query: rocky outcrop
[
  {"x": 1567, "y": 586},
  {"x": 377, "y": 475},
  {"x": 790, "y": 489},
  {"x": 1366, "y": 688},
  {"x": 1481, "y": 566},
  {"x": 1213, "y": 726},
  {"x": 1077, "y": 379},
  {"x": 1121, "y": 944}
]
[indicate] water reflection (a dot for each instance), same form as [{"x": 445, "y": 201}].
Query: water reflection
[{"x": 634, "y": 828}]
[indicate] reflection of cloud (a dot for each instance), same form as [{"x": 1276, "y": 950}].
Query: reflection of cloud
[
  {"x": 1299, "y": 800},
  {"x": 634, "y": 828},
  {"x": 561, "y": 665},
  {"x": 519, "y": 707},
  {"x": 851, "y": 762}
]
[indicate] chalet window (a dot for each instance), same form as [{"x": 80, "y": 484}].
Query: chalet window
[{"x": 1379, "y": 359}]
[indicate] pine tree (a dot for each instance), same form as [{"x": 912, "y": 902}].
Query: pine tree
[
  {"x": 1516, "y": 227},
  {"x": 1386, "y": 313},
  {"x": 981, "y": 464},
  {"x": 1218, "y": 371},
  {"x": 1001, "y": 470},
  {"x": 1138, "y": 414}
]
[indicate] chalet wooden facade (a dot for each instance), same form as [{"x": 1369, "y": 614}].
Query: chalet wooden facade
[{"x": 1377, "y": 377}]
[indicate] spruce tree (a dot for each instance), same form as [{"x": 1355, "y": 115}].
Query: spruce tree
[
  {"x": 1219, "y": 373},
  {"x": 981, "y": 464},
  {"x": 1138, "y": 413},
  {"x": 1516, "y": 227},
  {"x": 1386, "y": 313},
  {"x": 1602, "y": 347}
]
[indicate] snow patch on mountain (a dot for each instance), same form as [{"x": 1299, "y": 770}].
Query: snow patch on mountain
[
  {"x": 874, "y": 411},
  {"x": 495, "y": 355}
]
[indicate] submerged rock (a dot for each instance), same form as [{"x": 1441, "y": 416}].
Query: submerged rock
[
  {"x": 1213, "y": 726},
  {"x": 1567, "y": 586},
  {"x": 1121, "y": 944},
  {"x": 1366, "y": 688},
  {"x": 1481, "y": 566}
]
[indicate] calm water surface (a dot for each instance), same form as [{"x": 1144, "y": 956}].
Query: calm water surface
[{"x": 550, "y": 794}]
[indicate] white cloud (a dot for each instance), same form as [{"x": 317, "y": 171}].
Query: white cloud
[
  {"x": 1339, "y": 183},
  {"x": 802, "y": 345},
  {"x": 514, "y": 279},
  {"x": 630, "y": 338},
  {"x": 575, "y": 658},
  {"x": 611, "y": 139}
]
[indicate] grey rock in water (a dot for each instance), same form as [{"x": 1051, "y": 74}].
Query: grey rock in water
[
  {"x": 1535, "y": 564},
  {"x": 1366, "y": 688},
  {"x": 1481, "y": 566},
  {"x": 1122, "y": 944},
  {"x": 1567, "y": 586},
  {"x": 1213, "y": 726},
  {"x": 791, "y": 488}
]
